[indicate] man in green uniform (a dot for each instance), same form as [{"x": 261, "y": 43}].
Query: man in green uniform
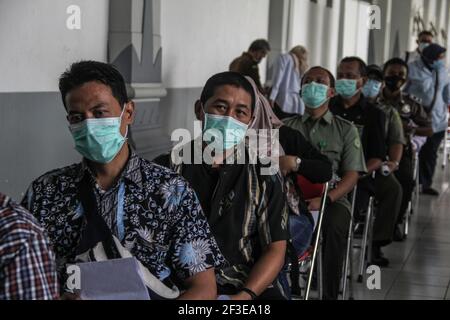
[
  {"x": 408, "y": 111},
  {"x": 353, "y": 106},
  {"x": 339, "y": 140},
  {"x": 395, "y": 141}
]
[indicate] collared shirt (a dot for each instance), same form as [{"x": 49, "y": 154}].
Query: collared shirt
[
  {"x": 247, "y": 66},
  {"x": 336, "y": 138},
  {"x": 286, "y": 85},
  {"x": 411, "y": 56},
  {"x": 314, "y": 166},
  {"x": 247, "y": 212},
  {"x": 410, "y": 111},
  {"x": 422, "y": 84},
  {"x": 27, "y": 266},
  {"x": 152, "y": 210},
  {"x": 394, "y": 127},
  {"x": 370, "y": 122}
]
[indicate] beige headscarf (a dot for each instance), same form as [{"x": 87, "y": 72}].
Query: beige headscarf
[
  {"x": 263, "y": 115},
  {"x": 265, "y": 125}
]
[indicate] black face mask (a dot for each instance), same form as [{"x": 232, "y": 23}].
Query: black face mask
[{"x": 394, "y": 83}]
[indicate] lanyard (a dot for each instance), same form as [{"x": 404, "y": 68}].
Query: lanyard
[{"x": 119, "y": 211}]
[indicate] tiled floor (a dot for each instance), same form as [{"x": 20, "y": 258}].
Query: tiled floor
[{"x": 420, "y": 266}]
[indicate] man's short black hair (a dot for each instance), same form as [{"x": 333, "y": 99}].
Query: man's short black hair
[
  {"x": 226, "y": 78},
  {"x": 260, "y": 45},
  {"x": 362, "y": 64},
  {"x": 425, "y": 33},
  {"x": 375, "y": 71},
  {"x": 330, "y": 75},
  {"x": 395, "y": 61},
  {"x": 82, "y": 72}
]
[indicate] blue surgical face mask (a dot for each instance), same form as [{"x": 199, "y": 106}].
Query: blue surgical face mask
[
  {"x": 347, "y": 88},
  {"x": 372, "y": 88},
  {"x": 314, "y": 95},
  {"x": 423, "y": 45},
  {"x": 227, "y": 132},
  {"x": 439, "y": 64},
  {"x": 98, "y": 140}
]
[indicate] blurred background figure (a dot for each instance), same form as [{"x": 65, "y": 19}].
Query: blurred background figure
[
  {"x": 247, "y": 63},
  {"x": 372, "y": 88},
  {"x": 424, "y": 39},
  {"x": 288, "y": 71},
  {"x": 429, "y": 81}
]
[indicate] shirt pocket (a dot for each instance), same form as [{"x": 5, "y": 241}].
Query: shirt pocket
[{"x": 334, "y": 153}]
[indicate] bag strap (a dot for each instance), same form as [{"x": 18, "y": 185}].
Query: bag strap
[
  {"x": 436, "y": 87},
  {"x": 96, "y": 229}
]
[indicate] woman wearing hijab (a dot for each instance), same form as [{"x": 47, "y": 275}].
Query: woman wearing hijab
[
  {"x": 429, "y": 81},
  {"x": 251, "y": 236}
]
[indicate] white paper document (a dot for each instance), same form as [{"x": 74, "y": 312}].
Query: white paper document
[{"x": 112, "y": 280}]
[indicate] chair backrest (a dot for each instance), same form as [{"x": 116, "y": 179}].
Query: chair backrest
[{"x": 310, "y": 190}]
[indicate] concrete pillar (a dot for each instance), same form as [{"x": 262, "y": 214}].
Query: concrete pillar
[
  {"x": 380, "y": 39},
  {"x": 331, "y": 34},
  {"x": 441, "y": 23},
  {"x": 279, "y": 27},
  {"x": 340, "y": 51},
  {"x": 134, "y": 46},
  {"x": 318, "y": 37},
  {"x": 401, "y": 26}
]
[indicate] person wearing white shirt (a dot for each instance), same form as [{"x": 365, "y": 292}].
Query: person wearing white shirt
[
  {"x": 286, "y": 81},
  {"x": 430, "y": 82}
]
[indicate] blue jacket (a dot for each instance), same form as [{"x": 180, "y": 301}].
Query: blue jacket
[{"x": 422, "y": 83}]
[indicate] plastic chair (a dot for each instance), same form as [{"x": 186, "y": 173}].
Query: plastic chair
[
  {"x": 446, "y": 145},
  {"x": 348, "y": 262},
  {"x": 311, "y": 191},
  {"x": 413, "y": 205},
  {"x": 366, "y": 241}
]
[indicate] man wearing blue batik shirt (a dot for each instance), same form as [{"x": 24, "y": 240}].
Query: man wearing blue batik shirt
[
  {"x": 151, "y": 210},
  {"x": 429, "y": 81}
]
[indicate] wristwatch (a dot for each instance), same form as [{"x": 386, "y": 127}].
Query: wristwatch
[{"x": 298, "y": 161}]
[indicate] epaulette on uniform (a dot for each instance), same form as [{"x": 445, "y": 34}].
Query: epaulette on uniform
[{"x": 412, "y": 97}]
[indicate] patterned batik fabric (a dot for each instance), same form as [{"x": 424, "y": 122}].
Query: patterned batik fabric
[{"x": 151, "y": 209}]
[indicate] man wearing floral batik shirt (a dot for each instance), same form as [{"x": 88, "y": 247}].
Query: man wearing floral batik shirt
[{"x": 149, "y": 209}]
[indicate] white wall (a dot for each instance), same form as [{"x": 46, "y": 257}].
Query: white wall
[
  {"x": 201, "y": 37},
  {"x": 36, "y": 46}
]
